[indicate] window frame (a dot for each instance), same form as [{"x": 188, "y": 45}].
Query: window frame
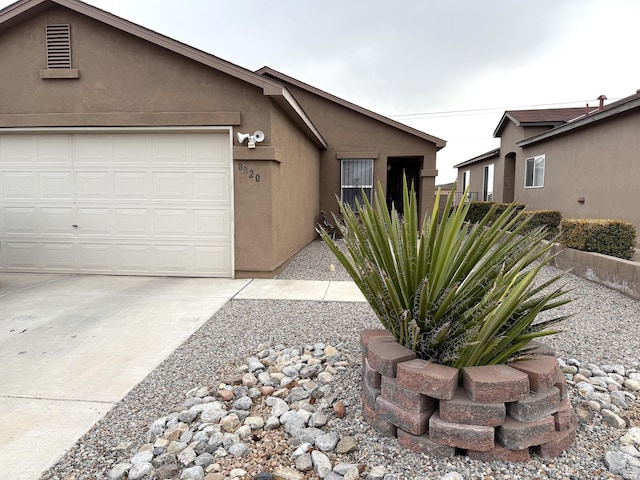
[
  {"x": 532, "y": 161},
  {"x": 368, "y": 164},
  {"x": 488, "y": 172}
]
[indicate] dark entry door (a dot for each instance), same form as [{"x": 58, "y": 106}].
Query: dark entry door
[{"x": 396, "y": 168}]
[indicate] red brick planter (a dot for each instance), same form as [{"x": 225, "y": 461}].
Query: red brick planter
[{"x": 498, "y": 412}]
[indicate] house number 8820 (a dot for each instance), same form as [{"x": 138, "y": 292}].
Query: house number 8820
[{"x": 249, "y": 172}]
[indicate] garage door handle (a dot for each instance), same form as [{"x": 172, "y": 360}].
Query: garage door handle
[{"x": 74, "y": 226}]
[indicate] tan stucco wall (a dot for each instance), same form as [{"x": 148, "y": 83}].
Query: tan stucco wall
[
  {"x": 503, "y": 177},
  {"x": 126, "y": 81},
  {"x": 348, "y": 131},
  {"x": 599, "y": 163}
]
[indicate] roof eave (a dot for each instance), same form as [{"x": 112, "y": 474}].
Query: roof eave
[
  {"x": 267, "y": 71},
  {"x": 485, "y": 156},
  {"x": 588, "y": 120}
]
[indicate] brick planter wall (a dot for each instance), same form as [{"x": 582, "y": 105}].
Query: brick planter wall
[{"x": 500, "y": 412}]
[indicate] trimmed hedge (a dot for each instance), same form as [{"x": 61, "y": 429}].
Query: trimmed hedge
[
  {"x": 478, "y": 210},
  {"x": 550, "y": 219},
  {"x": 616, "y": 238}
]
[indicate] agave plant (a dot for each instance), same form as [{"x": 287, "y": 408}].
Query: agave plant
[{"x": 456, "y": 293}]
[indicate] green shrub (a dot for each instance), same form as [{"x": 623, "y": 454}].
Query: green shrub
[
  {"x": 549, "y": 219},
  {"x": 616, "y": 238},
  {"x": 479, "y": 210},
  {"x": 455, "y": 293}
]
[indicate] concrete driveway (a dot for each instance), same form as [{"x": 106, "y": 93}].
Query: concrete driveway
[{"x": 73, "y": 346}]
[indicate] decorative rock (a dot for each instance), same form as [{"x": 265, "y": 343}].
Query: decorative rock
[
  {"x": 339, "y": 409},
  {"x": 278, "y": 407},
  {"x": 193, "y": 473},
  {"x": 229, "y": 423},
  {"x": 119, "y": 471},
  {"x": 144, "y": 456},
  {"x": 377, "y": 473},
  {"x": 255, "y": 423},
  {"x": 187, "y": 456},
  {"x": 238, "y": 473},
  {"x": 321, "y": 463},
  {"x": 346, "y": 444},
  {"x": 304, "y": 462},
  {"x": 140, "y": 471},
  {"x": 287, "y": 473},
  {"x": 238, "y": 450},
  {"x": 243, "y": 403},
  {"x": 612, "y": 419},
  {"x": 302, "y": 449},
  {"x": 327, "y": 442},
  {"x": 452, "y": 476}
]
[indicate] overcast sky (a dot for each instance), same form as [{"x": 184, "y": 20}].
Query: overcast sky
[{"x": 413, "y": 59}]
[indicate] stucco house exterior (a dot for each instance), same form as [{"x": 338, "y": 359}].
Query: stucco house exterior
[
  {"x": 581, "y": 161},
  {"x": 123, "y": 151}
]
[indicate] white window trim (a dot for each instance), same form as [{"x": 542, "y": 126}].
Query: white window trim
[
  {"x": 533, "y": 161},
  {"x": 488, "y": 179}
]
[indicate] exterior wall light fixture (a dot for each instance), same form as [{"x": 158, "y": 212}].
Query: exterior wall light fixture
[{"x": 257, "y": 136}]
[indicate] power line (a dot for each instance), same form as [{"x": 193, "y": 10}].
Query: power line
[{"x": 485, "y": 111}]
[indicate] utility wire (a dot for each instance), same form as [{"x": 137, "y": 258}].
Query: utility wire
[{"x": 486, "y": 111}]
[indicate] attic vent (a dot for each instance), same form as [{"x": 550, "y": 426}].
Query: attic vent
[{"x": 58, "y": 46}]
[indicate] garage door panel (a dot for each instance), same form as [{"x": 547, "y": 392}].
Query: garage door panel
[
  {"x": 19, "y": 185},
  {"x": 212, "y": 260},
  {"x": 18, "y": 150},
  {"x": 132, "y": 258},
  {"x": 54, "y": 149},
  {"x": 209, "y": 151},
  {"x": 58, "y": 256},
  {"x": 92, "y": 149},
  {"x": 132, "y": 185},
  {"x": 173, "y": 222},
  {"x": 211, "y": 186},
  {"x": 56, "y": 185},
  {"x": 212, "y": 223},
  {"x": 172, "y": 186},
  {"x": 21, "y": 221},
  {"x": 129, "y": 149},
  {"x": 170, "y": 150},
  {"x": 133, "y": 221},
  {"x": 172, "y": 259},
  {"x": 94, "y": 221},
  {"x": 57, "y": 221},
  {"x": 96, "y": 257},
  {"x": 123, "y": 203},
  {"x": 21, "y": 256},
  {"x": 93, "y": 185}
]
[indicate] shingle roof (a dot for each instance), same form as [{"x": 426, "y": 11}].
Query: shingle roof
[{"x": 551, "y": 117}]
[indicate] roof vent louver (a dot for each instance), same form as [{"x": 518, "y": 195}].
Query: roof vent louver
[{"x": 58, "y": 46}]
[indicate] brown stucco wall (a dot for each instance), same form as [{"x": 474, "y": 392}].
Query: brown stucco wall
[
  {"x": 275, "y": 216},
  {"x": 599, "y": 163},
  {"x": 346, "y": 130},
  {"x": 127, "y": 81}
]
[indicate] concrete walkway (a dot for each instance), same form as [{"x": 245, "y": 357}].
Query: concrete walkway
[{"x": 73, "y": 346}]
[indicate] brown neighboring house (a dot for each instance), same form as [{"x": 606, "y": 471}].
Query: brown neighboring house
[
  {"x": 120, "y": 153},
  {"x": 583, "y": 162}
]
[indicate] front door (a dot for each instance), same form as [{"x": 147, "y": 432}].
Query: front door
[{"x": 397, "y": 167}]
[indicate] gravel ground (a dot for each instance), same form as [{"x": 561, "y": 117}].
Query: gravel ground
[{"x": 603, "y": 330}]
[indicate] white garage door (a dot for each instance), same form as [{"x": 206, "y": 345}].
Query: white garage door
[{"x": 136, "y": 203}]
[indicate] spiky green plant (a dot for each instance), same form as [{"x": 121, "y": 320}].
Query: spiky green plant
[{"x": 455, "y": 293}]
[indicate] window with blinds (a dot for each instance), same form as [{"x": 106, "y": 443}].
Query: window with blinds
[
  {"x": 356, "y": 178},
  {"x": 58, "y": 46}
]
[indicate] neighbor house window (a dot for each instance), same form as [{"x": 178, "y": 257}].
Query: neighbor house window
[
  {"x": 534, "y": 172},
  {"x": 466, "y": 179},
  {"x": 487, "y": 183},
  {"x": 356, "y": 177}
]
